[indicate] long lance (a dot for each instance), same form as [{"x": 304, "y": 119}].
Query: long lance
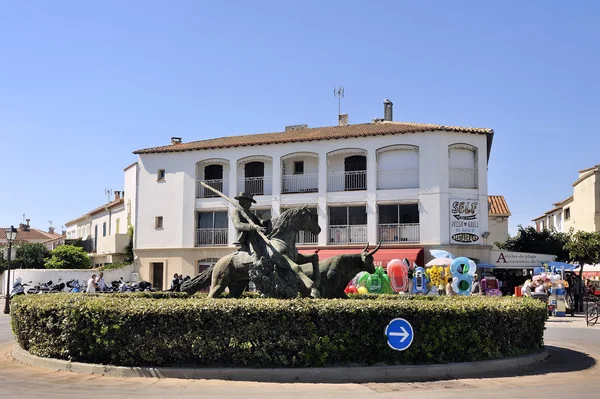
[{"x": 239, "y": 208}]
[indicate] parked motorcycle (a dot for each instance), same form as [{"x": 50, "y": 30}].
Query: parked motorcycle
[
  {"x": 47, "y": 288},
  {"x": 18, "y": 288},
  {"x": 74, "y": 285}
]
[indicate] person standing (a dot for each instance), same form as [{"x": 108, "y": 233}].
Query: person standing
[
  {"x": 577, "y": 294},
  {"x": 101, "y": 284},
  {"x": 476, "y": 287},
  {"x": 91, "y": 284}
]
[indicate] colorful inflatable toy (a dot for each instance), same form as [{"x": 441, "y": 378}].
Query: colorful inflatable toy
[
  {"x": 420, "y": 281},
  {"x": 462, "y": 270},
  {"x": 376, "y": 283},
  {"x": 397, "y": 271}
]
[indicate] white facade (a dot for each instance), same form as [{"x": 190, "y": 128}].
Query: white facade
[{"x": 423, "y": 170}]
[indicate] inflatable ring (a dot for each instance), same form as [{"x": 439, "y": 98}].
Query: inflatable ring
[{"x": 463, "y": 266}]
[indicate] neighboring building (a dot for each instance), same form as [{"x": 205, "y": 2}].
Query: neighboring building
[
  {"x": 581, "y": 211},
  {"x": 26, "y": 233},
  {"x": 410, "y": 186},
  {"x": 498, "y": 214},
  {"x": 104, "y": 231}
]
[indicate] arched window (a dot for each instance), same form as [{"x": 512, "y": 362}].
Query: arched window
[
  {"x": 462, "y": 164},
  {"x": 212, "y": 172},
  {"x": 398, "y": 167}
]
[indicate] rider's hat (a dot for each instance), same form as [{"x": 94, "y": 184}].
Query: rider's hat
[{"x": 246, "y": 196}]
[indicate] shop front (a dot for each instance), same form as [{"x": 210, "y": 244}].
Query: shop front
[{"x": 512, "y": 269}]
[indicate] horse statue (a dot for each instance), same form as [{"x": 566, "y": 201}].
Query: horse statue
[{"x": 234, "y": 271}]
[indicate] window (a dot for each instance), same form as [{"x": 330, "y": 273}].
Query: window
[
  {"x": 158, "y": 222},
  {"x": 104, "y": 229},
  {"x": 299, "y": 167},
  {"x": 399, "y": 214},
  {"x": 399, "y": 222},
  {"x": 567, "y": 213},
  {"x": 348, "y": 224},
  {"x": 211, "y": 228},
  {"x": 160, "y": 176},
  {"x": 462, "y": 161}
]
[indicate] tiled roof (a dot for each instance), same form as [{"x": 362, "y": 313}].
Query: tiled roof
[
  {"x": 558, "y": 208},
  {"x": 556, "y": 204},
  {"x": 539, "y": 217},
  {"x": 109, "y": 205},
  {"x": 31, "y": 234},
  {"x": 497, "y": 206},
  {"x": 314, "y": 134}
]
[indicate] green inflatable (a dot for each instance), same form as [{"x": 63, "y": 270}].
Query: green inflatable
[{"x": 377, "y": 283}]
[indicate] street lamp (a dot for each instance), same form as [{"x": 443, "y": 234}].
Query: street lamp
[{"x": 11, "y": 234}]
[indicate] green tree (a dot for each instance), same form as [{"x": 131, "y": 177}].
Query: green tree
[
  {"x": 584, "y": 247},
  {"x": 69, "y": 257},
  {"x": 548, "y": 242},
  {"x": 31, "y": 255},
  {"x": 129, "y": 246}
]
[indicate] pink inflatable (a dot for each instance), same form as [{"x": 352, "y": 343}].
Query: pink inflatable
[{"x": 398, "y": 273}]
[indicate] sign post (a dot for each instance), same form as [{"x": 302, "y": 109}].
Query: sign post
[{"x": 399, "y": 334}]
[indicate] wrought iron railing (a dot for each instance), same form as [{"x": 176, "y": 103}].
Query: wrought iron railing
[
  {"x": 348, "y": 234},
  {"x": 463, "y": 178},
  {"x": 308, "y": 183},
  {"x": 209, "y": 237},
  {"x": 256, "y": 185},
  {"x": 219, "y": 184},
  {"x": 397, "y": 178},
  {"x": 402, "y": 232},
  {"x": 347, "y": 181},
  {"x": 307, "y": 237}
]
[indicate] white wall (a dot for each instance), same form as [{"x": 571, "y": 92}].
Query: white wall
[
  {"x": 175, "y": 198},
  {"x": 43, "y": 275}
]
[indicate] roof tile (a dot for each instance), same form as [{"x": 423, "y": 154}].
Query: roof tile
[
  {"x": 313, "y": 134},
  {"x": 497, "y": 206}
]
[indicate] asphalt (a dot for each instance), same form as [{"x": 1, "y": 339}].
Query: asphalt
[{"x": 571, "y": 371}]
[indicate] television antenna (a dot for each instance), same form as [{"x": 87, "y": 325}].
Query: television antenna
[
  {"x": 108, "y": 192},
  {"x": 339, "y": 93},
  {"x": 50, "y": 222}
]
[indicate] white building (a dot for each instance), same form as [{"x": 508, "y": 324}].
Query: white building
[
  {"x": 104, "y": 230},
  {"x": 411, "y": 186}
]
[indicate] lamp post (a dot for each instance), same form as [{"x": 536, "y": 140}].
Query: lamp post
[{"x": 11, "y": 234}]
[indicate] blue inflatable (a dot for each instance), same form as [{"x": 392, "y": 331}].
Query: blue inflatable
[
  {"x": 462, "y": 270},
  {"x": 420, "y": 281}
]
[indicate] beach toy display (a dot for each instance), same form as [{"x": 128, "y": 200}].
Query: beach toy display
[
  {"x": 376, "y": 283},
  {"x": 397, "y": 271},
  {"x": 420, "y": 281},
  {"x": 462, "y": 270}
]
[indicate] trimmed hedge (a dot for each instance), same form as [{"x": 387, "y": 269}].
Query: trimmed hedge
[{"x": 138, "y": 330}]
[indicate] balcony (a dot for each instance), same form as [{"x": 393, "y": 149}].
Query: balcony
[
  {"x": 347, "y": 181},
  {"x": 463, "y": 178},
  {"x": 348, "y": 234},
  {"x": 306, "y": 237},
  {"x": 404, "y": 232},
  {"x": 306, "y": 183},
  {"x": 397, "y": 178},
  {"x": 112, "y": 244},
  {"x": 211, "y": 237},
  {"x": 218, "y": 184},
  {"x": 256, "y": 185}
]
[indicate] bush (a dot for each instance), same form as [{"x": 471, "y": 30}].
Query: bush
[
  {"x": 69, "y": 257},
  {"x": 139, "y": 329},
  {"x": 112, "y": 266},
  {"x": 31, "y": 255}
]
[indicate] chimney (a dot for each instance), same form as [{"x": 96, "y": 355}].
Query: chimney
[
  {"x": 117, "y": 195},
  {"x": 343, "y": 120},
  {"x": 387, "y": 110},
  {"x": 291, "y": 128},
  {"x": 51, "y": 230},
  {"x": 175, "y": 140}
]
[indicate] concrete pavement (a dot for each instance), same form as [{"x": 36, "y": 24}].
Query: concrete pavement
[{"x": 570, "y": 372}]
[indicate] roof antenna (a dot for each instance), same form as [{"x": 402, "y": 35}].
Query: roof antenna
[
  {"x": 50, "y": 222},
  {"x": 108, "y": 192},
  {"x": 339, "y": 93}
]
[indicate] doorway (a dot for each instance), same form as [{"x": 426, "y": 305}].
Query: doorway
[
  {"x": 213, "y": 174},
  {"x": 356, "y": 173},
  {"x": 157, "y": 275},
  {"x": 254, "y": 173}
]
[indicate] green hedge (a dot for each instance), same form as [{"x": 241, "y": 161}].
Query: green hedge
[{"x": 140, "y": 330}]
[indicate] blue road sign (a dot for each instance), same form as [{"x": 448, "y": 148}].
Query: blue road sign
[{"x": 399, "y": 334}]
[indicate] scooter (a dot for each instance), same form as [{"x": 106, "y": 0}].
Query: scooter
[
  {"x": 18, "y": 288},
  {"x": 74, "y": 285}
]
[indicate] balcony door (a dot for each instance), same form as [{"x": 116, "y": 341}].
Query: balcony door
[
  {"x": 213, "y": 175},
  {"x": 356, "y": 175},
  {"x": 255, "y": 174}
]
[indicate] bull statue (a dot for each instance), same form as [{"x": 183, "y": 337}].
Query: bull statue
[{"x": 337, "y": 271}]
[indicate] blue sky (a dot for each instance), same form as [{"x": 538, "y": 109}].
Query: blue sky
[{"x": 85, "y": 83}]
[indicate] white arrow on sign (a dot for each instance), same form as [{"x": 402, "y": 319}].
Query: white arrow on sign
[{"x": 404, "y": 334}]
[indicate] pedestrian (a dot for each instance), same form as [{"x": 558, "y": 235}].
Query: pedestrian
[
  {"x": 449, "y": 290},
  {"x": 577, "y": 295},
  {"x": 476, "y": 287},
  {"x": 175, "y": 283},
  {"x": 100, "y": 282},
  {"x": 91, "y": 284}
]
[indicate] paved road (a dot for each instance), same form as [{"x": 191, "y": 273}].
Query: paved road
[{"x": 571, "y": 372}]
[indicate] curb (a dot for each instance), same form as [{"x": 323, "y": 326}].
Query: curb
[{"x": 307, "y": 375}]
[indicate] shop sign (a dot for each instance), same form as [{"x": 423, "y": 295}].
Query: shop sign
[
  {"x": 507, "y": 259},
  {"x": 464, "y": 221}
]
